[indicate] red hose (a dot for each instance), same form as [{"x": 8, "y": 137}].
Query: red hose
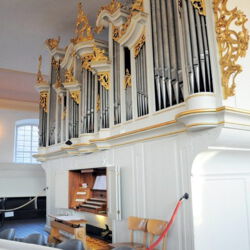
[{"x": 168, "y": 226}]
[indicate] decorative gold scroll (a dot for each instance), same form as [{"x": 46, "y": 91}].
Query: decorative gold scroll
[
  {"x": 83, "y": 29},
  {"x": 104, "y": 79},
  {"x": 86, "y": 61},
  {"x": 136, "y": 8},
  {"x": 75, "y": 95},
  {"x": 138, "y": 45},
  {"x": 52, "y": 43},
  {"x": 69, "y": 76},
  {"x": 233, "y": 39},
  {"x": 127, "y": 79},
  {"x": 200, "y": 5},
  {"x": 99, "y": 55},
  {"x": 98, "y": 103},
  {"x": 44, "y": 98}
]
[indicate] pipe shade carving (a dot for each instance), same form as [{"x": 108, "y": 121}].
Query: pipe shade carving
[{"x": 232, "y": 43}]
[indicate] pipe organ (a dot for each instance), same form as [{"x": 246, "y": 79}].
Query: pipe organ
[{"x": 154, "y": 52}]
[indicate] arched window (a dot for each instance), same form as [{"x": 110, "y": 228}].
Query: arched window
[{"x": 26, "y": 141}]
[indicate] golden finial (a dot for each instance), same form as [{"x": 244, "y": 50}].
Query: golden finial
[{"x": 83, "y": 29}]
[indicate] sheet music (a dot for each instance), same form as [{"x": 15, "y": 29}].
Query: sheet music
[{"x": 100, "y": 182}]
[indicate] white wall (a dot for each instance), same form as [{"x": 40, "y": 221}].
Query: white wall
[{"x": 17, "y": 180}]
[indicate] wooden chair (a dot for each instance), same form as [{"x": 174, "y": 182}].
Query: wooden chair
[
  {"x": 156, "y": 228},
  {"x": 134, "y": 224}
]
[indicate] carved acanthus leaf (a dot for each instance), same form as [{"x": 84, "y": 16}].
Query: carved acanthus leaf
[
  {"x": 233, "y": 40},
  {"x": 139, "y": 44}
]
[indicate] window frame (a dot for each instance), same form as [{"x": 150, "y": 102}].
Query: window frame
[{"x": 22, "y": 123}]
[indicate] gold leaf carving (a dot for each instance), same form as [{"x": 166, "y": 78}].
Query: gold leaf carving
[
  {"x": 69, "y": 76},
  {"x": 83, "y": 29},
  {"x": 44, "y": 97},
  {"x": 52, "y": 43},
  {"x": 139, "y": 44},
  {"x": 99, "y": 55},
  {"x": 75, "y": 95},
  {"x": 39, "y": 77},
  {"x": 98, "y": 103},
  {"x": 57, "y": 66},
  {"x": 233, "y": 40},
  {"x": 200, "y": 5},
  {"x": 112, "y": 7},
  {"x": 127, "y": 79},
  {"x": 104, "y": 79},
  {"x": 86, "y": 60}
]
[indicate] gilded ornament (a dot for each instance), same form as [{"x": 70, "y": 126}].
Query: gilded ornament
[
  {"x": 64, "y": 114},
  {"x": 98, "y": 29},
  {"x": 139, "y": 44},
  {"x": 127, "y": 79},
  {"x": 233, "y": 40},
  {"x": 69, "y": 76},
  {"x": 57, "y": 66},
  {"x": 39, "y": 77},
  {"x": 86, "y": 61},
  {"x": 75, "y": 95},
  {"x": 83, "y": 29},
  {"x": 136, "y": 8},
  {"x": 112, "y": 7},
  {"x": 200, "y": 5},
  {"x": 44, "y": 97},
  {"x": 99, "y": 55},
  {"x": 104, "y": 79},
  {"x": 98, "y": 103},
  {"x": 52, "y": 43}
]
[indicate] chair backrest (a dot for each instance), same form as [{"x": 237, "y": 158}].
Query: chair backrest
[
  {"x": 8, "y": 234},
  {"x": 37, "y": 239},
  {"x": 156, "y": 228},
  {"x": 137, "y": 224},
  {"x": 71, "y": 245}
]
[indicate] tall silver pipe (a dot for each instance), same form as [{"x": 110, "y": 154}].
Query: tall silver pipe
[
  {"x": 207, "y": 58},
  {"x": 201, "y": 48}
]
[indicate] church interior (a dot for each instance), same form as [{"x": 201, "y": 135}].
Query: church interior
[{"x": 125, "y": 124}]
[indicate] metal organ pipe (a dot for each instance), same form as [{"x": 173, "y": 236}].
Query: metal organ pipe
[
  {"x": 116, "y": 82},
  {"x": 166, "y": 49},
  {"x": 198, "y": 58}
]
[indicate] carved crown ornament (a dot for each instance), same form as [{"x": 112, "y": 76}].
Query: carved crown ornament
[
  {"x": 233, "y": 40},
  {"x": 136, "y": 8},
  {"x": 83, "y": 30},
  {"x": 52, "y": 43}
]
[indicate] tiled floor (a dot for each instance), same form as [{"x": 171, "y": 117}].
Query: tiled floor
[{"x": 26, "y": 227}]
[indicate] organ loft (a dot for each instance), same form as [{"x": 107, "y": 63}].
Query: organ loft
[{"x": 151, "y": 100}]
